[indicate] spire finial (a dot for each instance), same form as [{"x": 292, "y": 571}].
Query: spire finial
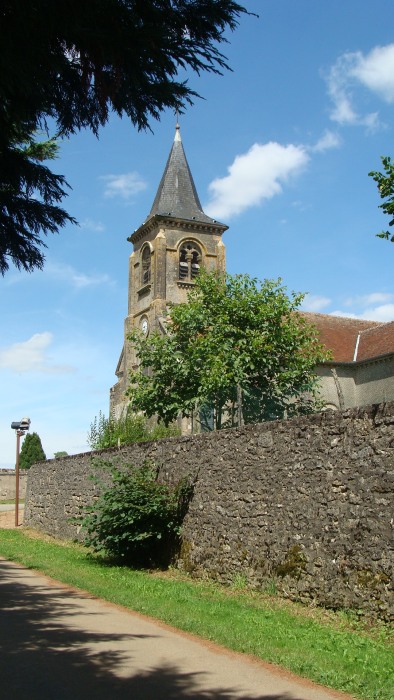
[{"x": 177, "y": 127}]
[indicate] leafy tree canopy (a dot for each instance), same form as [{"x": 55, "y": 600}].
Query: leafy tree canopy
[
  {"x": 385, "y": 182},
  {"x": 29, "y": 197},
  {"x": 77, "y": 61},
  {"x": 31, "y": 451},
  {"x": 73, "y": 63},
  {"x": 234, "y": 337}
]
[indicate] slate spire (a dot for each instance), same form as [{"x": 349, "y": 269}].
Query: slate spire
[{"x": 177, "y": 195}]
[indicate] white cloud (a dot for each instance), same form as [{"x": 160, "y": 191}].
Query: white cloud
[
  {"x": 376, "y": 306},
  {"x": 370, "y": 299},
  {"x": 79, "y": 280},
  {"x": 300, "y": 205},
  {"x": 338, "y": 79},
  {"x": 253, "y": 177},
  {"x": 383, "y": 313},
  {"x": 343, "y": 314},
  {"x": 315, "y": 303},
  {"x": 30, "y": 356},
  {"x": 374, "y": 71},
  {"x": 125, "y": 185},
  {"x": 92, "y": 225},
  {"x": 326, "y": 142}
]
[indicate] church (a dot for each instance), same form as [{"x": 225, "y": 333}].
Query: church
[{"x": 171, "y": 246}]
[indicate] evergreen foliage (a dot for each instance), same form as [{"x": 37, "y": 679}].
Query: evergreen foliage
[
  {"x": 110, "y": 432},
  {"x": 29, "y": 197},
  {"x": 385, "y": 183},
  {"x": 236, "y": 340},
  {"x": 31, "y": 451},
  {"x": 75, "y": 63},
  {"x": 137, "y": 520}
]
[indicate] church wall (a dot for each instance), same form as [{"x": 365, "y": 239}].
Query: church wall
[
  {"x": 117, "y": 399},
  {"x": 150, "y": 300},
  {"x": 165, "y": 267},
  {"x": 375, "y": 381},
  {"x": 305, "y": 505},
  {"x": 337, "y": 388},
  {"x": 208, "y": 242},
  {"x": 358, "y": 384},
  {"x": 327, "y": 388}
]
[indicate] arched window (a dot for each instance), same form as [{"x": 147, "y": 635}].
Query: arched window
[
  {"x": 189, "y": 261},
  {"x": 146, "y": 265}
]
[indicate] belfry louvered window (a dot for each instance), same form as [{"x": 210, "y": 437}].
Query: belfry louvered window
[
  {"x": 146, "y": 265},
  {"x": 189, "y": 262}
]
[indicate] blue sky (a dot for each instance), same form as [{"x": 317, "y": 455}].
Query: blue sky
[{"x": 280, "y": 150}]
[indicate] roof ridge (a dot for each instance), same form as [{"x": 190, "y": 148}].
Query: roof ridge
[
  {"x": 374, "y": 324},
  {"x": 379, "y": 324}
]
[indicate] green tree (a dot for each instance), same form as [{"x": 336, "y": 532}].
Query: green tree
[
  {"x": 235, "y": 337},
  {"x": 29, "y": 197},
  {"x": 31, "y": 451},
  {"x": 62, "y": 453},
  {"x": 385, "y": 182},
  {"x": 75, "y": 63}
]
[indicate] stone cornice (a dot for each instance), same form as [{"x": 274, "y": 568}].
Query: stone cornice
[
  {"x": 175, "y": 223},
  {"x": 185, "y": 284}
]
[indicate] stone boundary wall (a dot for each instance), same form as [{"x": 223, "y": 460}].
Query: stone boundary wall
[
  {"x": 7, "y": 484},
  {"x": 303, "y": 506}
]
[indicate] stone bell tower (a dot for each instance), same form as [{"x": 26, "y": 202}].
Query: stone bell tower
[{"x": 169, "y": 249}]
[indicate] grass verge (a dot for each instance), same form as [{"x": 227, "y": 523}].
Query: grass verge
[
  {"x": 326, "y": 652},
  {"x": 11, "y": 501}
]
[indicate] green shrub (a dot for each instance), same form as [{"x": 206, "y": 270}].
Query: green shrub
[
  {"x": 110, "y": 432},
  {"x": 136, "y": 519}
]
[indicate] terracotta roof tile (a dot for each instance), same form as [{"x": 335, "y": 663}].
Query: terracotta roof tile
[
  {"x": 339, "y": 334},
  {"x": 376, "y": 341}
]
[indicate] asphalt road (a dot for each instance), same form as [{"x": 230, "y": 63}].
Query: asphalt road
[{"x": 60, "y": 644}]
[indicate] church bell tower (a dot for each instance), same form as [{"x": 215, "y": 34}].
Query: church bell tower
[{"x": 169, "y": 249}]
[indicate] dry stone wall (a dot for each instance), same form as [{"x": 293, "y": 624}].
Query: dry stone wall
[{"x": 303, "y": 506}]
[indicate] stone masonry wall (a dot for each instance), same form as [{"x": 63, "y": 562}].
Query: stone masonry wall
[
  {"x": 8, "y": 484},
  {"x": 303, "y": 506}
]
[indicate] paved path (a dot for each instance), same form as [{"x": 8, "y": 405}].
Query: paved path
[
  {"x": 7, "y": 516},
  {"x": 60, "y": 644}
]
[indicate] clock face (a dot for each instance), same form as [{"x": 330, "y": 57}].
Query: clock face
[{"x": 145, "y": 326}]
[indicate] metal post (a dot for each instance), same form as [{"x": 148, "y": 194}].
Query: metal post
[
  {"x": 18, "y": 438},
  {"x": 20, "y": 428}
]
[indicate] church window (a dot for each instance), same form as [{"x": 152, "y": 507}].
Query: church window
[
  {"x": 189, "y": 262},
  {"x": 146, "y": 265}
]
